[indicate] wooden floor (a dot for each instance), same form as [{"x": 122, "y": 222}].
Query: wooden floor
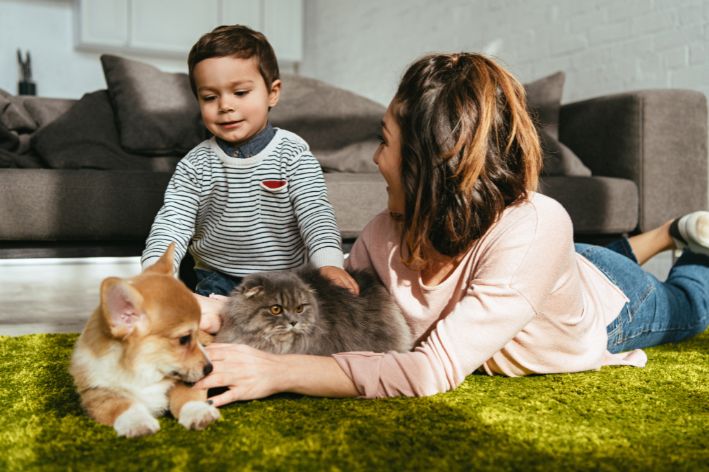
[
  {"x": 54, "y": 295},
  {"x": 58, "y": 295}
]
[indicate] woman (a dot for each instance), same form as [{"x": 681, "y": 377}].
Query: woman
[{"x": 483, "y": 267}]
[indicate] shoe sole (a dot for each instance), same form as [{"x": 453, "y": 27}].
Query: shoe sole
[{"x": 696, "y": 231}]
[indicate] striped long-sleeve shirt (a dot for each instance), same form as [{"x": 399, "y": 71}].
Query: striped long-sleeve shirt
[{"x": 239, "y": 216}]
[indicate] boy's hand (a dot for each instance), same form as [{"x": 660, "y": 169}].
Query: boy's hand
[
  {"x": 340, "y": 277},
  {"x": 211, "y": 307}
]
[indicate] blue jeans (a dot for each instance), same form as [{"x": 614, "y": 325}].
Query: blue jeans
[
  {"x": 658, "y": 312},
  {"x": 211, "y": 281}
]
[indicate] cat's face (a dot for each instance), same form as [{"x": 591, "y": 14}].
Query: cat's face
[{"x": 278, "y": 306}]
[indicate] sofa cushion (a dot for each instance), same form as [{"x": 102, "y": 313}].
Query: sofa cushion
[
  {"x": 597, "y": 205},
  {"x": 341, "y": 127},
  {"x": 155, "y": 110},
  {"x": 367, "y": 190},
  {"x": 544, "y": 104},
  {"x": 61, "y": 205},
  {"x": 85, "y": 137}
]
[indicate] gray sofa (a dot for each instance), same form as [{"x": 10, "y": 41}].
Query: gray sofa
[{"x": 76, "y": 182}]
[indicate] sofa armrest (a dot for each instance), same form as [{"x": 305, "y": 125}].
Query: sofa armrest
[{"x": 656, "y": 138}]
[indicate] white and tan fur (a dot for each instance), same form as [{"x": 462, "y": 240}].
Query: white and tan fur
[{"x": 137, "y": 352}]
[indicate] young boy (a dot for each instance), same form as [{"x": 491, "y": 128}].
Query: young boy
[{"x": 253, "y": 197}]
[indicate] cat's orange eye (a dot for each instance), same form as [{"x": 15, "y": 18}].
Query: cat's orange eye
[
  {"x": 299, "y": 309},
  {"x": 276, "y": 309}
]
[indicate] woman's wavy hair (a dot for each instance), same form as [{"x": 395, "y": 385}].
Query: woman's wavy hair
[
  {"x": 237, "y": 41},
  {"x": 469, "y": 150}
]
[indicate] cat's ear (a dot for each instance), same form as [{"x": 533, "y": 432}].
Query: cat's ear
[
  {"x": 252, "y": 291},
  {"x": 251, "y": 287},
  {"x": 310, "y": 289}
]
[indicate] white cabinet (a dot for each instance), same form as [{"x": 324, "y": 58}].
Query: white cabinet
[
  {"x": 170, "y": 28},
  {"x": 244, "y": 12},
  {"x": 102, "y": 23},
  {"x": 283, "y": 26}
]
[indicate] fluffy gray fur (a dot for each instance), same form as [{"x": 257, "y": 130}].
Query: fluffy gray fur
[{"x": 315, "y": 316}]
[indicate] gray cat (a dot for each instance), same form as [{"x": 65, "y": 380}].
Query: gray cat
[{"x": 301, "y": 312}]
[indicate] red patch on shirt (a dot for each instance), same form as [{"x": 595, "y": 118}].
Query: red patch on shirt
[{"x": 274, "y": 184}]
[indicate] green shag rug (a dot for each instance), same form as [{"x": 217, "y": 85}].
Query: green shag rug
[{"x": 620, "y": 418}]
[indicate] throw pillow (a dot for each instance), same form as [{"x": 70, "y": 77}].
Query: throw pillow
[
  {"x": 45, "y": 110},
  {"x": 8, "y": 139},
  {"x": 13, "y": 114},
  {"x": 559, "y": 159},
  {"x": 341, "y": 127},
  {"x": 85, "y": 137},
  {"x": 155, "y": 110},
  {"x": 544, "y": 103},
  {"x": 7, "y": 159}
]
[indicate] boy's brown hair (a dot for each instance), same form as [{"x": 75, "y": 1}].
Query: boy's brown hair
[
  {"x": 237, "y": 41},
  {"x": 469, "y": 150}
]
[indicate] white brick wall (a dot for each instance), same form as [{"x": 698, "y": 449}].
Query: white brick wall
[{"x": 604, "y": 46}]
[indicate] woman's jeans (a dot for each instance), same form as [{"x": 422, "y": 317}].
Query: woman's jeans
[
  {"x": 658, "y": 312},
  {"x": 209, "y": 281}
]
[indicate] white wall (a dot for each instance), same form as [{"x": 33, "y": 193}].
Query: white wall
[
  {"x": 46, "y": 29},
  {"x": 604, "y": 46}
]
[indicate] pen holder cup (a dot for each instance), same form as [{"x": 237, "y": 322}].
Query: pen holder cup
[{"x": 25, "y": 87}]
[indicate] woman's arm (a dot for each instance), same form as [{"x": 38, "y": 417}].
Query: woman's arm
[
  {"x": 519, "y": 263},
  {"x": 250, "y": 374}
]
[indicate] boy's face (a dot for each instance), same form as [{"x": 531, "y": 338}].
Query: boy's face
[{"x": 233, "y": 97}]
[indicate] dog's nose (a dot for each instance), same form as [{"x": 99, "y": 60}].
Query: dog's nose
[{"x": 208, "y": 369}]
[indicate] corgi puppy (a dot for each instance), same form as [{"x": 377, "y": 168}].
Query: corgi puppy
[{"x": 138, "y": 351}]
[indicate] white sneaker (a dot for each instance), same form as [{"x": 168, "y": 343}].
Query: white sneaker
[{"x": 692, "y": 232}]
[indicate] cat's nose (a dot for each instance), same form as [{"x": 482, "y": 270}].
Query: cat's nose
[{"x": 293, "y": 323}]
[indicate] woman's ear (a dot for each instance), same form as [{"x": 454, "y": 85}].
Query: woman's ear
[{"x": 275, "y": 93}]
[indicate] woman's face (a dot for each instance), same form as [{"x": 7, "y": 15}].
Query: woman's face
[{"x": 388, "y": 160}]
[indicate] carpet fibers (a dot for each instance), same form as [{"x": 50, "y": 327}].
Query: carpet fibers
[{"x": 619, "y": 418}]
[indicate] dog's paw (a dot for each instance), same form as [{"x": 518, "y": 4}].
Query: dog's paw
[
  {"x": 136, "y": 421},
  {"x": 198, "y": 415}
]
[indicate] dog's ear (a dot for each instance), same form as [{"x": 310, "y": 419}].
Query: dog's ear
[
  {"x": 164, "y": 264},
  {"x": 122, "y": 307}
]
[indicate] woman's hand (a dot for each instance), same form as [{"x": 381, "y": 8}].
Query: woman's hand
[
  {"x": 340, "y": 277},
  {"x": 250, "y": 374},
  {"x": 211, "y": 307},
  {"x": 247, "y": 372}
]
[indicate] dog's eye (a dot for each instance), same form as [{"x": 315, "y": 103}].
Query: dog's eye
[
  {"x": 184, "y": 340},
  {"x": 299, "y": 309},
  {"x": 276, "y": 309}
]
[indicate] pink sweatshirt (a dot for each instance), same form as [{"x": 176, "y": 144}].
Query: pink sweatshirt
[{"x": 521, "y": 302}]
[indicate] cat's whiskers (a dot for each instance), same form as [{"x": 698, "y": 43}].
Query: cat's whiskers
[{"x": 281, "y": 312}]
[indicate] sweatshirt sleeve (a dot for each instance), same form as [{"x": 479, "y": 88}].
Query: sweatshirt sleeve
[
  {"x": 316, "y": 217},
  {"x": 491, "y": 311},
  {"x": 458, "y": 345},
  {"x": 175, "y": 221}
]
